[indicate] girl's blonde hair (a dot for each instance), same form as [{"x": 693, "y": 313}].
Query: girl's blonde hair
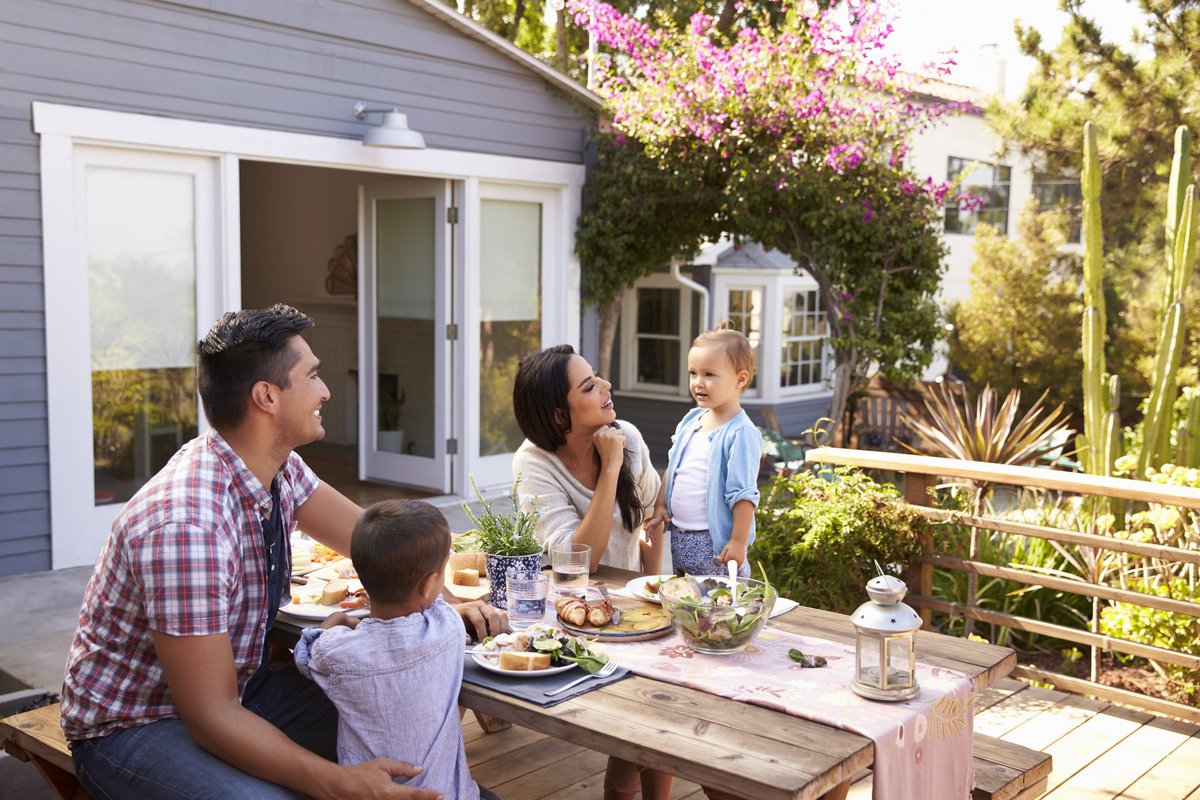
[{"x": 734, "y": 343}]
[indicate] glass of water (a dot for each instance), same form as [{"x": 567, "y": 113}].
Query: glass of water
[
  {"x": 570, "y": 564},
  {"x": 527, "y": 599}
]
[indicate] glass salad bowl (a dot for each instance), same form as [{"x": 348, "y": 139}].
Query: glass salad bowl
[{"x": 707, "y": 616}]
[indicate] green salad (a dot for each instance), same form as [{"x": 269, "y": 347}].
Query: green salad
[{"x": 705, "y": 615}]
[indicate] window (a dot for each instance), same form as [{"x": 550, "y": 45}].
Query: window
[
  {"x": 745, "y": 315},
  {"x": 658, "y": 345},
  {"x": 802, "y": 361},
  {"x": 1059, "y": 191},
  {"x": 989, "y": 182}
]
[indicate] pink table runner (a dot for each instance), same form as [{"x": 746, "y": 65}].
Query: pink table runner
[{"x": 922, "y": 745}]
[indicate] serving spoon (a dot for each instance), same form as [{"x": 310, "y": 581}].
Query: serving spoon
[{"x": 733, "y": 579}]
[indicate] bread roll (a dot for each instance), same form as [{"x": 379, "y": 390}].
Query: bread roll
[
  {"x": 524, "y": 661},
  {"x": 465, "y": 577},
  {"x": 335, "y": 591}
]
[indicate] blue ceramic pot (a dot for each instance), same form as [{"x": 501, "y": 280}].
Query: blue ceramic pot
[{"x": 500, "y": 567}]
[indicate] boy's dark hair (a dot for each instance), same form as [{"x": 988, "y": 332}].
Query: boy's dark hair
[
  {"x": 544, "y": 417},
  {"x": 241, "y": 349},
  {"x": 395, "y": 544}
]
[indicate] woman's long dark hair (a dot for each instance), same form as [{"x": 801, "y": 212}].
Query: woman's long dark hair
[{"x": 544, "y": 416}]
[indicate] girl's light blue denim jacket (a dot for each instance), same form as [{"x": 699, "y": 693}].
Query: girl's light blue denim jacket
[{"x": 735, "y": 450}]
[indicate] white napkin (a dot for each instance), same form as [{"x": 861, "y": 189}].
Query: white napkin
[{"x": 782, "y": 606}]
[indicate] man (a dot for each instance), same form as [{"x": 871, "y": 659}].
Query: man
[{"x": 169, "y": 691}]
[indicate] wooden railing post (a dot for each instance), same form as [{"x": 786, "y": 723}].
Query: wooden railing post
[{"x": 920, "y": 574}]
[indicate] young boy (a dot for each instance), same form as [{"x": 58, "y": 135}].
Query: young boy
[
  {"x": 710, "y": 488},
  {"x": 395, "y": 676}
]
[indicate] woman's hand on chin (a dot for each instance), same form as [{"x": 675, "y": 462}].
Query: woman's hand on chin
[{"x": 610, "y": 444}]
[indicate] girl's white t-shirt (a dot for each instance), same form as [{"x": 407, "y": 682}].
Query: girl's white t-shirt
[{"x": 689, "y": 491}]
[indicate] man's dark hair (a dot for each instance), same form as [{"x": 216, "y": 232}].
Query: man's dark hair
[
  {"x": 395, "y": 544},
  {"x": 241, "y": 349}
]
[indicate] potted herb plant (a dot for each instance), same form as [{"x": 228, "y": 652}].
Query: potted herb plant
[{"x": 507, "y": 540}]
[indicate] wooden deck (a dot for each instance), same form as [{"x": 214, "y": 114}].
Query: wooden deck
[{"x": 1100, "y": 751}]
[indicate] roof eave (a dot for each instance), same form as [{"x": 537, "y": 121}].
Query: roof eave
[{"x": 507, "y": 48}]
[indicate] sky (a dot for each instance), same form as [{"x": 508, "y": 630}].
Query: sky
[{"x": 925, "y": 27}]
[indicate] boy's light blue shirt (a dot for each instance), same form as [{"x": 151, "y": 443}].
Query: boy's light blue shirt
[
  {"x": 735, "y": 450},
  {"x": 395, "y": 684}
]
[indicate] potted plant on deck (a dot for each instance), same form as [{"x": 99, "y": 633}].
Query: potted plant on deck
[{"x": 507, "y": 540}]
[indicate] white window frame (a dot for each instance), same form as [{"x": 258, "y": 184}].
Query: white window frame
[
  {"x": 629, "y": 337},
  {"x": 774, "y": 283},
  {"x": 723, "y": 304},
  {"x": 823, "y": 355},
  {"x": 63, "y": 128}
]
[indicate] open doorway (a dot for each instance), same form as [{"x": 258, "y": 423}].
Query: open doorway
[{"x": 299, "y": 228}]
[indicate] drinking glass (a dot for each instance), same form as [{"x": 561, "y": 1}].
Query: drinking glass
[
  {"x": 570, "y": 564},
  {"x": 527, "y": 599}
]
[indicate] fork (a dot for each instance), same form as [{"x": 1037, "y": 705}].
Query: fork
[{"x": 609, "y": 668}]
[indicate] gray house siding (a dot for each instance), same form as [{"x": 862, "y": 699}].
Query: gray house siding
[{"x": 274, "y": 64}]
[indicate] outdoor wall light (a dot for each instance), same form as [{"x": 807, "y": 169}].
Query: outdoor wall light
[{"x": 392, "y": 132}]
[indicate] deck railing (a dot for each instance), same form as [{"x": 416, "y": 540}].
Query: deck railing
[{"x": 921, "y": 473}]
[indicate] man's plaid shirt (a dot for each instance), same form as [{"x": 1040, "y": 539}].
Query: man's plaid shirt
[{"x": 185, "y": 557}]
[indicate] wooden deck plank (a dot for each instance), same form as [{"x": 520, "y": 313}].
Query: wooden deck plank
[
  {"x": 1177, "y": 775},
  {"x": 1133, "y": 757},
  {"x": 997, "y": 692},
  {"x": 1015, "y": 709},
  {"x": 486, "y": 748},
  {"x": 1043, "y": 730},
  {"x": 551, "y": 782},
  {"x": 532, "y": 757},
  {"x": 1089, "y": 742}
]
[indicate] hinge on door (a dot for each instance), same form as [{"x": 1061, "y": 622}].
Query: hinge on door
[
  {"x": 452, "y": 332},
  {"x": 452, "y": 447},
  {"x": 452, "y": 215}
]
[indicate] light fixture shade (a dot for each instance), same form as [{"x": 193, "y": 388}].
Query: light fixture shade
[{"x": 394, "y": 132}]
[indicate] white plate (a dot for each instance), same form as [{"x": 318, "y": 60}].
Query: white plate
[
  {"x": 637, "y": 587},
  {"x": 489, "y": 663},
  {"x": 314, "y": 611}
]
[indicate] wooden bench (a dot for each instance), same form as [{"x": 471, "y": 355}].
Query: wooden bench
[
  {"x": 1008, "y": 771},
  {"x": 36, "y": 737},
  {"x": 1003, "y": 770}
]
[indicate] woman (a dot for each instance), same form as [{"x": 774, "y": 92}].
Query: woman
[
  {"x": 589, "y": 475},
  {"x": 591, "y": 480}
]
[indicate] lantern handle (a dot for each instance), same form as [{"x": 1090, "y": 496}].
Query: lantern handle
[{"x": 878, "y": 567}]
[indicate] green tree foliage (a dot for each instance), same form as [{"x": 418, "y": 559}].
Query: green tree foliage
[
  {"x": 802, "y": 129},
  {"x": 1136, "y": 101},
  {"x": 1137, "y": 96},
  {"x": 1019, "y": 329},
  {"x": 543, "y": 29},
  {"x": 638, "y": 213}
]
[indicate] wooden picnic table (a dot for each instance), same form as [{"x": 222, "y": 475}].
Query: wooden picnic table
[{"x": 733, "y": 749}]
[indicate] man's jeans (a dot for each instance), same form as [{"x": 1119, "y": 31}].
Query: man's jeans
[{"x": 160, "y": 760}]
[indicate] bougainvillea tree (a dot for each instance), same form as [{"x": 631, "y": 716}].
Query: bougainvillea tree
[{"x": 803, "y": 124}]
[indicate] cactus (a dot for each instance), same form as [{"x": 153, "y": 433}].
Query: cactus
[
  {"x": 1181, "y": 224},
  {"x": 1091, "y": 443},
  {"x": 1187, "y": 453}
]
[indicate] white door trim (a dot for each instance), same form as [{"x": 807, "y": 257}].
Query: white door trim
[
  {"x": 63, "y": 127},
  {"x": 78, "y": 526},
  {"x": 90, "y": 125}
]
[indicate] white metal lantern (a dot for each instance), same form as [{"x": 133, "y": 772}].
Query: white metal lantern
[{"x": 885, "y": 655}]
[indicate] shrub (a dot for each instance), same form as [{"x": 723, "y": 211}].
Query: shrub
[
  {"x": 1159, "y": 628},
  {"x": 819, "y": 539}
]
